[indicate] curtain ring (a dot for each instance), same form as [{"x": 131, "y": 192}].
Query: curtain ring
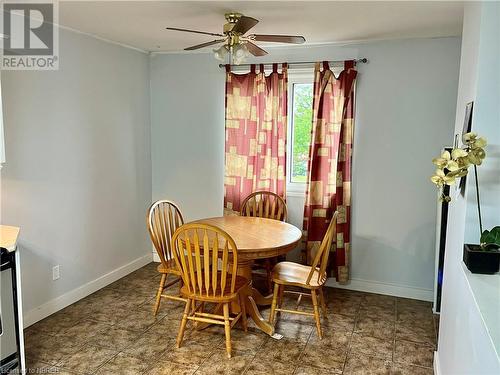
[
  {"x": 228, "y": 68},
  {"x": 275, "y": 68},
  {"x": 325, "y": 65},
  {"x": 261, "y": 68},
  {"x": 252, "y": 68}
]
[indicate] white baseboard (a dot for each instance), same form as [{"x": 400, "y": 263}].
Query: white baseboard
[
  {"x": 384, "y": 288},
  {"x": 83, "y": 291},
  {"x": 434, "y": 310},
  {"x": 374, "y": 287},
  {"x": 437, "y": 368}
]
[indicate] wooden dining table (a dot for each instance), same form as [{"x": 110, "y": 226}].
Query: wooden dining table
[{"x": 257, "y": 238}]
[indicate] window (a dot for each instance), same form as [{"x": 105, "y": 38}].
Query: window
[
  {"x": 299, "y": 135},
  {"x": 301, "y": 130}
]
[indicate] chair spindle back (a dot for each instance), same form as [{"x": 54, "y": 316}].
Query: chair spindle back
[
  {"x": 163, "y": 219},
  {"x": 208, "y": 259},
  {"x": 264, "y": 204},
  {"x": 321, "y": 258}
]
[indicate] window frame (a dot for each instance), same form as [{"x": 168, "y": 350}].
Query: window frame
[{"x": 294, "y": 77}]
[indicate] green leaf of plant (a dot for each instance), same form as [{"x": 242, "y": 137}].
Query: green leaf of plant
[{"x": 491, "y": 238}]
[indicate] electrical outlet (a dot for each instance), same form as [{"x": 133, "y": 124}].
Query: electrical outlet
[{"x": 56, "y": 272}]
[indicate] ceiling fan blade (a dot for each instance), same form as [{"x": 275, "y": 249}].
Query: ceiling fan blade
[
  {"x": 244, "y": 24},
  {"x": 255, "y": 50},
  {"x": 204, "y": 44},
  {"x": 295, "y": 39},
  {"x": 193, "y": 31}
]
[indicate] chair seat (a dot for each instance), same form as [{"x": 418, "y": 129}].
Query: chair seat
[
  {"x": 291, "y": 273},
  {"x": 169, "y": 268},
  {"x": 240, "y": 283}
]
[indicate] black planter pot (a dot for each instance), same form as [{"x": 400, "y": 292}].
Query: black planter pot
[{"x": 480, "y": 261}]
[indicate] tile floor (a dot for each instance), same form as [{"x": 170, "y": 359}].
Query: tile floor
[{"x": 113, "y": 331}]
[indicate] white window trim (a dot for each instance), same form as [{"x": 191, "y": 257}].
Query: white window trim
[{"x": 295, "y": 76}]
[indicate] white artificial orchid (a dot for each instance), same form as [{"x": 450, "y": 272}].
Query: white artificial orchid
[
  {"x": 440, "y": 178},
  {"x": 446, "y": 162},
  {"x": 455, "y": 164}
]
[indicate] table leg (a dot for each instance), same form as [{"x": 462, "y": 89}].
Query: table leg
[
  {"x": 245, "y": 270},
  {"x": 260, "y": 299},
  {"x": 253, "y": 298}
]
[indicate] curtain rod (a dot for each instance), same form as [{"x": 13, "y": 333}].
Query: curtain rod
[{"x": 363, "y": 60}]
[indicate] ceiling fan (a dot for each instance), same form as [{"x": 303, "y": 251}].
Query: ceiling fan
[{"x": 236, "y": 45}]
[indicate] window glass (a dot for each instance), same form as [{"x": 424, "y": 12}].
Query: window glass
[{"x": 301, "y": 130}]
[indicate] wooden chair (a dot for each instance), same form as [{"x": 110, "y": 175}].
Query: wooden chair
[
  {"x": 267, "y": 205},
  {"x": 163, "y": 218},
  {"x": 208, "y": 258},
  {"x": 307, "y": 277},
  {"x": 264, "y": 204}
]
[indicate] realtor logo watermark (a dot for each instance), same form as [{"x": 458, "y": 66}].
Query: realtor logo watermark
[{"x": 30, "y": 37}]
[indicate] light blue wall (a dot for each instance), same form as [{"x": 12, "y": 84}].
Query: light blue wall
[
  {"x": 77, "y": 177},
  {"x": 406, "y": 100},
  {"x": 187, "y": 134}
]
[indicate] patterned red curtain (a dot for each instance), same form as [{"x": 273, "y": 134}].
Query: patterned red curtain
[
  {"x": 256, "y": 120},
  {"x": 329, "y": 167}
]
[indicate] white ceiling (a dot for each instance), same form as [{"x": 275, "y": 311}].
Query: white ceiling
[{"x": 141, "y": 24}]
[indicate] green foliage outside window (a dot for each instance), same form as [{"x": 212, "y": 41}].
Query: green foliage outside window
[{"x": 302, "y": 118}]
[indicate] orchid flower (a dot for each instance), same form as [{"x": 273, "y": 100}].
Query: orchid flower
[
  {"x": 472, "y": 140},
  {"x": 445, "y": 162},
  {"x": 455, "y": 164},
  {"x": 441, "y": 179}
]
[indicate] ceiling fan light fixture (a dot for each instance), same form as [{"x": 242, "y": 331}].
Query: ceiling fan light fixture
[
  {"x": 239, "y": 53},
  {"x": 237, "y": 61},
  {"x": 221, "y": 53},
  {"x": 237, "y": 45}
]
